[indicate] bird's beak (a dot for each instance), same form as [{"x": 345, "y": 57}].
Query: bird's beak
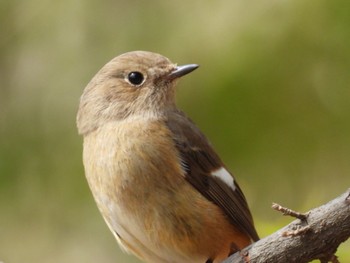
[{"x": 180, "y": 71}]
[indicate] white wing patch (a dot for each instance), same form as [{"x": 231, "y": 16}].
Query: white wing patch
[{"x": 225, "y": 176}]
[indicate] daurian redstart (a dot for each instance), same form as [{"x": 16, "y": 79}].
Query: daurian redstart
[{"x": 160, "y": 186}]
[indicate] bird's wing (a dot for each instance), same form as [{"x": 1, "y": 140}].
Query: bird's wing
[{"x": 205, "y": 171}]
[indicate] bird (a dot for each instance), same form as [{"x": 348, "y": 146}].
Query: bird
[{"x": 159, "y": 184}]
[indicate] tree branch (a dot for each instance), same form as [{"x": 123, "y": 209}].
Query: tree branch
[{"x": 317, "y": 236}]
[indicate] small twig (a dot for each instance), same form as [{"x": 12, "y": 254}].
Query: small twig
[
  {"x": 296, "y": 232},
  {"x": 347, "y": 199},
  {"x": 245, "y": 256},
  {"x": 329, "y": 227},
  {"x": 332, "y": 258},
  {"x": 289, "y": 212}
]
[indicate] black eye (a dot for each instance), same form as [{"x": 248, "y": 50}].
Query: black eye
[{"x": 135, "y": 78}]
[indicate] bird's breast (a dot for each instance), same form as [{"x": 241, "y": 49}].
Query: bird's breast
[
  {"x": 135, "y": 175},
  {"x": 126, "y": 162}
]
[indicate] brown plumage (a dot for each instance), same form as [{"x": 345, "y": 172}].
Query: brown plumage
[{"x": 160, "y": 186}]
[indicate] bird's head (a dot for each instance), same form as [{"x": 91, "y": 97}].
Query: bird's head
[{"x": 134, "y": 84}]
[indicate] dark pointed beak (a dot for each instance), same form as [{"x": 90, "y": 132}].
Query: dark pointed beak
[{"x": 180, "y": 71}]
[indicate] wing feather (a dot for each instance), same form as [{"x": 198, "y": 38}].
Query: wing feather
[{"x": 199, "y": 161}]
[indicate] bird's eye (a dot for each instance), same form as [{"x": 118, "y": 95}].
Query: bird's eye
[{"x": 135, "y": 78}]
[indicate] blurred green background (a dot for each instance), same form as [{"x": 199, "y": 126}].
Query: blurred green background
[{"x": 272, "y": 94}]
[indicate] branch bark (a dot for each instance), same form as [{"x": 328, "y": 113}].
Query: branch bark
[{"x": 323, "y": 230}]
